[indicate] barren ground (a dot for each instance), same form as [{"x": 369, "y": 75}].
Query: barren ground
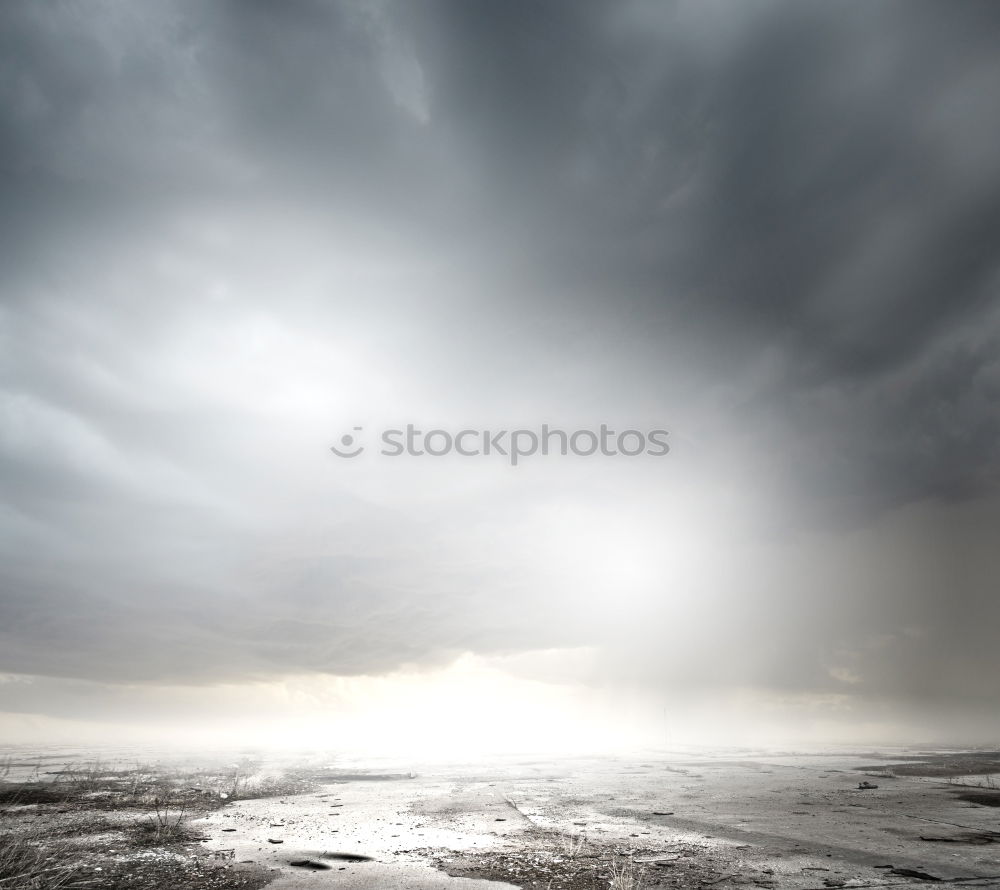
[{"x": 720, "y": 820}]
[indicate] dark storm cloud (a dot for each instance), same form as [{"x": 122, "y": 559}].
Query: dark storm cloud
[
  {"x": 819, "y": 182},
  {"x": 769, "y": 226}
]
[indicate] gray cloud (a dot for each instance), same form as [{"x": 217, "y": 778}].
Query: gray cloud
[{"x": 231, "y": 232}]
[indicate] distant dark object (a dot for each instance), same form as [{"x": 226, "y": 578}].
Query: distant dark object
[
  {"x": 229, "y": 829},
  {"x": 499, "y": 819},
  {"x": 658, "y": 813},
  {"x": 913, "y": 873},
  {"x": 312, "y": 864},
  {"x": 866, "y": 786},
  {"x": 274, "y": 840}
]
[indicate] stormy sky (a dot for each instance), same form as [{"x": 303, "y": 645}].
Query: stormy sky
[{"x": 232, "y": 233}]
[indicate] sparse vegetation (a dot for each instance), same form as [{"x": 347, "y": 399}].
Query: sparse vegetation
[
  {"x": 30, "y": 859},
  {"x": 168, "y": 824},
  {"x": 988, "y": 781},
  {"x": 574, "y": 845},
  {"x": 625, "y": 874},
  {"x": 241, "y": 777},
  {"x": 97, "y": 825}
]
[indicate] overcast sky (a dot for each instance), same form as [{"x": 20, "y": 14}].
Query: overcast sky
[{"x": 233, "y": 232}]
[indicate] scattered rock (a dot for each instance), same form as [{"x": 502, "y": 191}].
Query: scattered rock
[{"x": 312, "y": 864}]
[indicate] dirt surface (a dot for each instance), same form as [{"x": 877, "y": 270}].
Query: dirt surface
[
  {"x": 783, "y": 821},
  {"x": 94, "y": 823}
]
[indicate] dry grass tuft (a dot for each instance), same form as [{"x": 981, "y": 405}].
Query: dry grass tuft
[
  {"x": 626, "y": 875},
  {"x": 29, "y": 862}
]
